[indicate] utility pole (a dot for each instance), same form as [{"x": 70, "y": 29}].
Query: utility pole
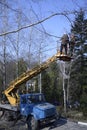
[
  {"x": 4, "y": 63},
  {"x": 5, "y": 23},
  {"x": 64, "y": 90},
  {"x": 68, "y": 84},
  {"x": 40, "y": 76},
  {"x": 64, "y": 77},
  {"x": 17, "y": 46},
  {"x": 29, "y": 46},
  {"x": 40, "y": 84}
]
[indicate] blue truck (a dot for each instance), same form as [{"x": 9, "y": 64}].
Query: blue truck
[
  {"x": 36, "y": 110},
  {"x": 33, "y": 108}
]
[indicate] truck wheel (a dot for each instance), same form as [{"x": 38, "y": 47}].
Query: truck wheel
[
  {"x": 1, "y": 113},
  {"x": 32, "y": 123}
]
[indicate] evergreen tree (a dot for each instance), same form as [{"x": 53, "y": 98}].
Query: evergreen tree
[
  {"x": 46, "y": 89},
  {"x": 79, "y": 69},
  {"x": 51, "y": 84},
  {"x": 56, "y": 85}
]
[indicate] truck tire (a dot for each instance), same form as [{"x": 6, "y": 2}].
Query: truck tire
[
  {"x": 1, "y": 113},
  {"x": 32, "y": 123}
]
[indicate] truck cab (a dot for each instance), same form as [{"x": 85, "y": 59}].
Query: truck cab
[{"x": 36, "y": 109}]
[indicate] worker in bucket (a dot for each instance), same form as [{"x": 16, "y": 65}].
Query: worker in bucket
[
  {"x": 64, "y": 43},
  {"x": 71, "y": 44}
]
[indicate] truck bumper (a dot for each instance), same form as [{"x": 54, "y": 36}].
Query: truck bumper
[{"x": 48, "y": 120}]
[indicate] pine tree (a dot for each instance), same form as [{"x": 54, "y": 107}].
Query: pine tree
[
  {"x": 79, "y": 69},
  {"x": 51, "y": 84}
]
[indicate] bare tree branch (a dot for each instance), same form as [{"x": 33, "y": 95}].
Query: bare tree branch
[
  {"x": 9, "y": 7},
  {"x": 27, "y": 26},
  {"x": 18, "y": 11},
  {"x": 65, "y": 14}
]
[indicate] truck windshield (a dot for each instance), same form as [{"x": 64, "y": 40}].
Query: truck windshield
[{"x": 36, "y": 98}]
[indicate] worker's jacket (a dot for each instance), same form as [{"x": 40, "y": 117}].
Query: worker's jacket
[
  {"x": 72, "y": 38},
  {"x": 65, "y": 39}
]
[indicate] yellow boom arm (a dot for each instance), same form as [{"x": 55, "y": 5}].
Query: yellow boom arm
[{"x": 10, "y": 92}]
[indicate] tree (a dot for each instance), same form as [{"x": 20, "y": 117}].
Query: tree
[
  {"x": 51, "y": 84},
  {"x": 56, "y": 88},
  {"x": 79, "y": 69},
  {"x": 46, "y": 89},
  {"x": 5, "y": 27}
]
